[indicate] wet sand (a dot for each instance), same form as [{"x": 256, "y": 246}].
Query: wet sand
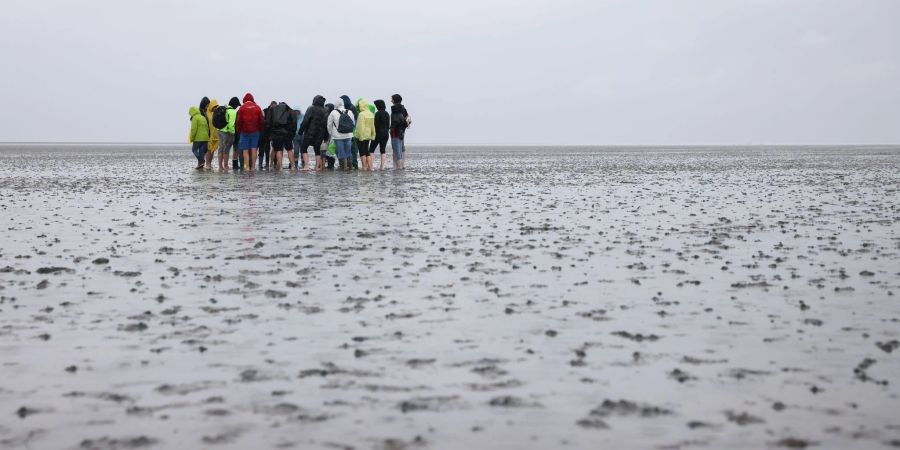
[{"x": 504, "y": 298}]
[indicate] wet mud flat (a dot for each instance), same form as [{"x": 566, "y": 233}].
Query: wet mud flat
[{"x": 507, "y": 298}]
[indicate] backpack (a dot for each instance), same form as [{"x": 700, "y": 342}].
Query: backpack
[
  {"x": 398, "y": 121},
  {"x": 281, "y": 117},
  {"x": 219, "y": 119},
  {"x": 345, "y": 123}
]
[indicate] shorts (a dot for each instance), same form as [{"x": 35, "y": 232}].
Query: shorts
[
  {"x": 307, "y": 142},
  {"x": 249, "y": 140},
  {"x": 280, "y": 143},
  {"x": 364, "y": 148},
  {"x": 226, "y": 141},
  {"x": 379, "y": 142}
]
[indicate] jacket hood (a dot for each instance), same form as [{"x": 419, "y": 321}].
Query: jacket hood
[
  {"x": 318, "y": 101},
  {"x": 234, "y": 103},
  {"x": 362, "y": 105},
  {"x": 379, "y": 104},
  {"x": 248, "y": 97},
  {"x": 347, "y": 103},
  {"x": 397, "y": 108},
  {"x": 340, "y": 106},
  {"x": 329, "y": 107},
  {"x": 213, "y": 104},
  {"x": 193, "y": 111},
  {"x": 204, "y": 102}
]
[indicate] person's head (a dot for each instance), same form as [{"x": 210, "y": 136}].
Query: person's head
[
  {"x": 273, "y": 103},
  {"x": 347, "y": 103},
  {"x": 396, "y": 99},
  {"x": 204, "y": 102},
  {"x": 340, "y": 106},
  {"x": 248, "y": 97},
  {"x": 234, "y": 102},
  {"x": 212, "y": 105},
  {"x": 379, "y": 104},
  {"x": 318, "y": 101},
  {"x": 193, "y": 110}
]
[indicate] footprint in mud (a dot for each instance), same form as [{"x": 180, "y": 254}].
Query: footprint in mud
[
  {"x": 107, "y": 443},
  {"x": 436, "y": 403},
  {"x": 598, "y": 417},
  {"x": 226, "y": 436},
  {"x": 742, "y": 418},
  {"x": 510, "y": 401}
]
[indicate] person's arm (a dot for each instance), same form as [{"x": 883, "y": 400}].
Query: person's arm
[
  {"x": 262, "y": 121},
  {"x": 193, "y": 131},
  {"x": 237, "y": 122}
]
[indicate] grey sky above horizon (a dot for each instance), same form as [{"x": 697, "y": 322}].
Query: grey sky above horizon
[{"x": 617, "y": 72}]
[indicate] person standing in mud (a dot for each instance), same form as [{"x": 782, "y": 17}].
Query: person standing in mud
[
  {"x": 313, "y": 130},
  {"x": 382, "y": 130},
  {"x": 280, "y": 123},
  {"x": 204, "y": 102},
  {"x": 365, "y": 132},
  {"x": 248, "y": 124},
  {"x": 213, "y": 133},
  {"x": 400, "y": 121},
  {"x": 199, "y": 135},
  {"x": 265, "y": 138},
  {"x": 298, "y": 139},
  {"x": 227, "y": 142},
  {"x": 354, "y": 143},
  {"x": 328, "y": 149},
  {"x": 237, "y": 160},
  {"x": 341, "y": 123}
]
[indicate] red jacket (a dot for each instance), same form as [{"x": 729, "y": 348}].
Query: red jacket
[{"x": 249, "y": 117}]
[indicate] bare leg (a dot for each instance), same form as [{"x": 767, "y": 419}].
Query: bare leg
[
  {"x": 278, "y": 161},
  {"x": 246, "y": 159},
  {"x": 291, "y": 160},
  {"x": 252, "y": 158},
  {"x": 381, "y": 167}
]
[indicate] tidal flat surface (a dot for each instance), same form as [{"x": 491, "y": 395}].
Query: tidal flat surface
[{"x": 487, "y": 297}]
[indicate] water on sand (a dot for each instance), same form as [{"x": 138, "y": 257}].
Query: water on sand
[{"x": 521, "y": 297}]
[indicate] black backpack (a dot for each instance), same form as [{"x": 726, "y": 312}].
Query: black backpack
[
  {"x": 281, "y": 117},
  {"x": 345, "y": 123},
  {"x": 220, "y": 119},
  {"x": 398, "y": 121}
]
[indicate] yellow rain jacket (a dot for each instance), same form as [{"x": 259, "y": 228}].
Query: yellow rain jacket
[
  {"x": 213, "y": 134},
  {"x": 365, "y": 124}
]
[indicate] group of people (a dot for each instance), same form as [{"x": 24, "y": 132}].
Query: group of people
[{"x": 345, "y": 133}]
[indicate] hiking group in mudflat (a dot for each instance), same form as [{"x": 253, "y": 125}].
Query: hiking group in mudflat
[{"x": 344, "y": 132}]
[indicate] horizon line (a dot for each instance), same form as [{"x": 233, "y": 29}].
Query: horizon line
[{"x": 500, "y": 144}]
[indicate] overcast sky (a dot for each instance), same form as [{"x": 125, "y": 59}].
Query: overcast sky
[{"x": 470, "y": 71}]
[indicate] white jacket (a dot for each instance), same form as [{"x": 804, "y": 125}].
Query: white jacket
[{"x": 334, "y": 118}]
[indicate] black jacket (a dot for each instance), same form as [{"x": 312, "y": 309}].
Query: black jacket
[
  {"x": 314, "y": 122},
  {"x": 398, "y": 120},
  {"x": 382, "y": 121},
  {"x": 280, "y": 121}
]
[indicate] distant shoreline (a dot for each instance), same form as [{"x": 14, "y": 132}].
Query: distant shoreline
[{"x": 426, "y": 144}]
